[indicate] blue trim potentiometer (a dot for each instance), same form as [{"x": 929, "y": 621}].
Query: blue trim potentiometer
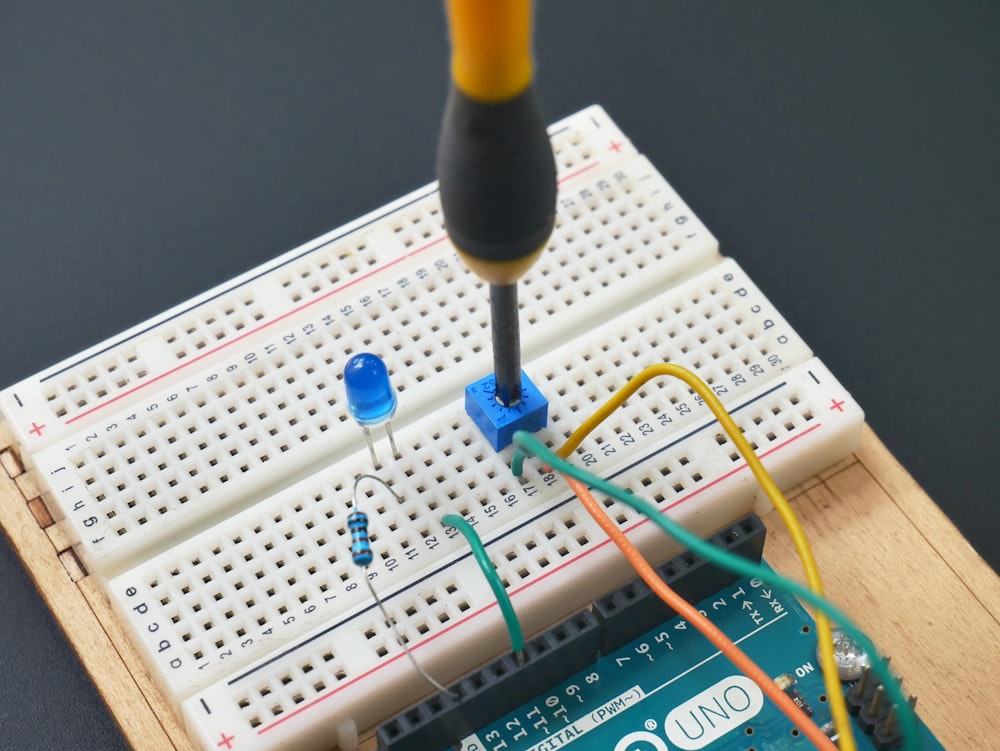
[{"x": 497, "y": 422}]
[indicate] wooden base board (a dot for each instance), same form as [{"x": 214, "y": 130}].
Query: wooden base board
[{"x": 889, "y": 557}]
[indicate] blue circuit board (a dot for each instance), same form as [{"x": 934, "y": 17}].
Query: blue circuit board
[{"x": 671, "y": 689}]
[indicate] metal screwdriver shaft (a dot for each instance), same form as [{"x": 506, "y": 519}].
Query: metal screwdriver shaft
[
  {"x": 506, "y": 343},
  {"x": 495, "y": 165}
]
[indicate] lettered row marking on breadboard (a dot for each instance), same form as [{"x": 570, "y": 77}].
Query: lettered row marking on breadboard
[
  {"x": 553, "y": 559},
  {"x": 269, "y": 414},
  {"x": 79, "y": 392},
  {"x": 220, "y": 599},
  {"x": 205, "y": 461}
]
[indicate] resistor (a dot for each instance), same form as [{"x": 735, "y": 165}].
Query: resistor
[
  {"x": 361, "y": 552},
  {"x": 361, "y": 547}
]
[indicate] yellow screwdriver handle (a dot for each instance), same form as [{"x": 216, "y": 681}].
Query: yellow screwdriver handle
[{"x": 491, "y": 47}]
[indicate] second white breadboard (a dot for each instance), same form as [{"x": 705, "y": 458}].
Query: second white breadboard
[{"x": 204, "y": 463}]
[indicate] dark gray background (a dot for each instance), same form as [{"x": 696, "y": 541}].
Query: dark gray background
[{"x": 846, "y": 154}]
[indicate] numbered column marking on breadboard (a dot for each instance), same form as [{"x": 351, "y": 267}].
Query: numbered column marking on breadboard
[
  {"x": 204, "y": 461},
  {"x": 441, "y": 469},
  {"x": 114, "y": 374},
  {"x": 238, "y": 428},
  {"x": 548, "y": 551}
]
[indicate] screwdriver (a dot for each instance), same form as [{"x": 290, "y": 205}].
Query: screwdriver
[{"x": 495, "y": 164}]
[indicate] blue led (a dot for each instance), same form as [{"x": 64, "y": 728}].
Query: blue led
[{"x": 371, "y": 399}]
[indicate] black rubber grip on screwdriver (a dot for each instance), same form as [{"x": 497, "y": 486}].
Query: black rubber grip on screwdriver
[{"x": 497, "y": 177}]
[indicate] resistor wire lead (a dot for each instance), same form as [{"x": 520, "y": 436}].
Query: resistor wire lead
[{"x": 361, "y": 553}]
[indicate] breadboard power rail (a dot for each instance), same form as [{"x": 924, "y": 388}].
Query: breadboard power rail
[{"x": 203, "y": 463}]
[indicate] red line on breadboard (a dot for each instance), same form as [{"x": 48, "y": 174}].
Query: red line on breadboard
[
  {"x": 543, "y": 577},
  {"x": 283, "y": 316},
  {"x": 579, "y": 172},
  {"x": 260, "y": 328}
]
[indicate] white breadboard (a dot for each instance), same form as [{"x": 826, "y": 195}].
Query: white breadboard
[{"x": 204, "y": 461}]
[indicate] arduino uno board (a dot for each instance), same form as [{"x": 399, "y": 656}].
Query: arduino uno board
[
  {"x": 629, "y": 675},
  {"x": 670, "y": 689}
]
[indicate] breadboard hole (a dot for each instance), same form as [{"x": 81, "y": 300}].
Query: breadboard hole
[
  {"x": 103, "y": 377},
  {"x": 572, "y": 149},
  {"x": 214, "y": 504},
  {"x": 417, "y": 225},
  {"x": 215, "y": 439},
  {"x": 326, "y": 268},
  {"x": 210, "y": 325},
  {"x": 268, "y": 699}
]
